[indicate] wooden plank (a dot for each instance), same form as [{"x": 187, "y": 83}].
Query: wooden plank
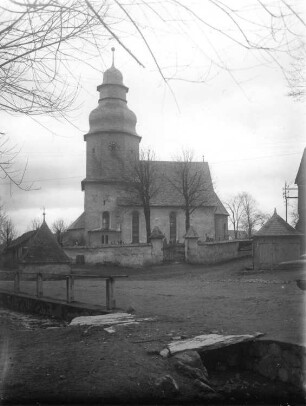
[
  {"x": 70, "y": 288},
  {"x": 39, "y": 285},
  {"x": 209, "y": 342},
  {"x": 17, "y": 283},
  {"x": 110, "y": 298}
]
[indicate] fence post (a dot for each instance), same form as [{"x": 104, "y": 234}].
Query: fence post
[
  {"x": 70, "y": 288},
  {"x": 110, "y": 300},
  {"x": 39, "y": 285},
  {"x": 17, "y": 282}
]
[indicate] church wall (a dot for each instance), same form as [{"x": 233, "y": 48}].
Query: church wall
[
  {"x": 202, "y": 220},
  {"x": 100, "y": 198}
]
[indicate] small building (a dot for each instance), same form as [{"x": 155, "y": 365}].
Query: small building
[
  {"x": 37, "y": 251},
  {"x": 275, "y": 242}
]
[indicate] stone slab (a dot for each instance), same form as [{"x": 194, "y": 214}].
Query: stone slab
[
  {"x": 107, "y": 320},
  {"x": 209, "y": 342}
]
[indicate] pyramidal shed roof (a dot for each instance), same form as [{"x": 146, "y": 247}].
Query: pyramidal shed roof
[
  {"x": 43, "y": 248},
  {"x": 276, "y": 226}
]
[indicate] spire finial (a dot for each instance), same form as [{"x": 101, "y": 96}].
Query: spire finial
[
  {"x": 275, "y": 212},
  {"x": 44, "y": 214},
  {"x": 113, "y": 51}
]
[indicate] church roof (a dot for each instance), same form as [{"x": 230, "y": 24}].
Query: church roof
[
  {"x": 168, "y": 195},
  {"x": 301, "y": 175},
  {"x": 43, "y": 248},
  {"x": 79, "y": 223},
  {"x": 276, "y": 226}
]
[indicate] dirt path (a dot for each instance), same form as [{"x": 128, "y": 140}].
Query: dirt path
[{"x": 199, "y": 299}]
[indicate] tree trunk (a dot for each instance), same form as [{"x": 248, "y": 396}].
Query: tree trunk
[
  {"x": 187, "y": 220},
  {"x": 147, "y": 215}
]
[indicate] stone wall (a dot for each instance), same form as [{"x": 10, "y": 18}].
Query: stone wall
[
  {"x": 212, "y": 252},
  {"x": 133, "y": 255}
]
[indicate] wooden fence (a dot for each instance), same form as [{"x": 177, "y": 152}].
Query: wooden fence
[{"x": 70, "y": 279}]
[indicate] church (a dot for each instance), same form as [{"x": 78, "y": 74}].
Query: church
[{"x": 110, "y": 216}]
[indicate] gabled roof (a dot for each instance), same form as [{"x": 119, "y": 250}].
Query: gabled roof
[
  {"x": 79, "y": 223},
  {"x": 22, "y": 240},
  {"x": 276, "y": 226},
  {"x": 168, "y": 195},
  {"x": 301, "y": 175}
]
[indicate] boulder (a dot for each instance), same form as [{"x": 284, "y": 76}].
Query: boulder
[
  {"x": 167, "y": 385},
  {"x": 191, "y": 372},
  {"x": 191, "y": 358}
]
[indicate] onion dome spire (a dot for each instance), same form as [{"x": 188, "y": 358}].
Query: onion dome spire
[{"x": 112, "y": 113}]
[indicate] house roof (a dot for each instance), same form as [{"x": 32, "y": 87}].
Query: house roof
[
  {"x": 301, "y": 174},
  {"x": 79, "y": 223},
  {"x": 22, "y": 240},
  {"x": 276, "y": 226},
  {"x": 168, "y": 195}
]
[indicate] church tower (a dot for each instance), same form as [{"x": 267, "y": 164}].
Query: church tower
[{"x": 111, "y": 143}]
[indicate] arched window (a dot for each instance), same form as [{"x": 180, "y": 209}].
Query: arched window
[
  {"x": 135, "y": 227},
  {"x": 105, "y": 220},
  {"x": 172, "y": 221}
]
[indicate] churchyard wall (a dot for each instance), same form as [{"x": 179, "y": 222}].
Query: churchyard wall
[
  {"x": 133, "y": 255},
  {"x": 213, "y": 252}
]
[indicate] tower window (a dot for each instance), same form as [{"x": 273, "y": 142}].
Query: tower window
[
  {"x": 135, "y": 227},
  {"x": 93, "y": 150},
  {"x": 172, "y": 221},
  {"x": 105, "y": 220}
]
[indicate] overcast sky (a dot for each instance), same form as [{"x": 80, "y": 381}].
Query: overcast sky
[{"x": 242, "y": 121}]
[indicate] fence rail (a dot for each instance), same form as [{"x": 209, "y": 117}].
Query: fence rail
[{"x": 110, "y": 285}]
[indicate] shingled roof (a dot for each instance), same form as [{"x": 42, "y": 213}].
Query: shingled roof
[
  {"x": 43, "y": 248},
  {"x": 79, "y": 223},
  {"x": 22, "y": 240},
  {"x": 276, "y": 226},
  {"x": 168, "y": 195}
]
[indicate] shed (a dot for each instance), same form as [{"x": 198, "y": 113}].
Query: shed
[
  {"x": 38, "y": 251},
  {"x": 275, "y": 242}
]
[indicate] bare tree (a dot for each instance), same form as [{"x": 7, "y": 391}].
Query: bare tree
[
  {"x": 35, "y": 224},
  {"x": 7, "y": 228},
  {"x": 59, "y": 227},
  {"x": 38, "y": 39},
  {"x": 142, "y": 184},
  {"x": 235, "y": 209},
  {"x": 251, "y": 216},
  {"x": 189, "y": 182},
  {"x": 7, "y": 232},
  {"x": 8, "y": 166}
]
